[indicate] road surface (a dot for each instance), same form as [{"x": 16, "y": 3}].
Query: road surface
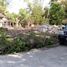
[{"x": 53, "y": 57}]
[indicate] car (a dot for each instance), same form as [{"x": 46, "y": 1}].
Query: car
[{"x": 62, "y": 36}]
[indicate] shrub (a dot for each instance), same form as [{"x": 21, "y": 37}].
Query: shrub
[
  {"x": 36, "y": 40},
  {"x": 18, "y": 45},
  {"x": 51, "y": 41},
  {"x": 25, "y": 42},
  {"x": 4, "y": 42}
]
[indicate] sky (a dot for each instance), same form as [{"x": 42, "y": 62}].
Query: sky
[{"x": 15, "y": 5}]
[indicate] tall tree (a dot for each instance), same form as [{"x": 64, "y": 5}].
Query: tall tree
[
  {"x": 3, "y": 4},
  {"x": 64, "y": 3},
  {"x": 37, "y": 13},
  {"x": 23, "y": 16},
  {"x": 56, "y": 14}
]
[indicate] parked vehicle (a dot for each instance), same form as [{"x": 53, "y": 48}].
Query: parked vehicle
[{"x": 62, "y": 36}]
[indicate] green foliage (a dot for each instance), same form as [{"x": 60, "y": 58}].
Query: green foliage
[
  {"x": 56, "y": 14},
  {"x": 37, "y": 13},
  {"x": 35, "y": 40},
  {"x": 23, "y": 14},
  {"x": 23, "y": 17},
  {"x": 64, "y": 3},
  {"x": 2, "y": 37},
  {"x": 51, "y": 41},
  {"x": 52, "y": 1},
  {"x": 25, "y": 42},
  {"x": 11, "y": 16},
  {"x": 3, "y": 4},
  {"x": 19, "y": 45},
  {"x": 4, "y": 42}
]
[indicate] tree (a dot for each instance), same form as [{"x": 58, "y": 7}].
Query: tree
[
  {"x": 46, "y": 14},
  {"x": 23, "y": 16},
  {"x": 3, "y": 4},
  {"x": 64, "y": 3},
  {"x": 53, "y": 1},
  {"x": 56, "y": 14},
  {"x": 11, "y": 16},
  {"x": 37, "y": 13}
]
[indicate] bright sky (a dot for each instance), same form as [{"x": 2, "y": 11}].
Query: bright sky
[{"x": 15, "y": 5}]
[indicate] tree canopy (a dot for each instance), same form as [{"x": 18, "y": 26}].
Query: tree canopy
[
  {"x": 56, "y": 14},
  {"x": 35, "y": 13},
  {"x": 3, "y": 4}
]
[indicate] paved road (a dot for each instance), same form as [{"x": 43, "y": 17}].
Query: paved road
[{"x": 54, "y": 57}]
